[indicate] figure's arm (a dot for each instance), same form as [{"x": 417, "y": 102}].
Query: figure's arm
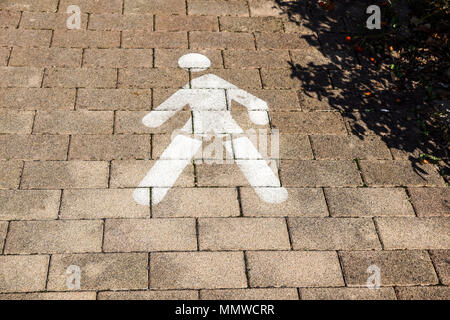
[
  {"x": 257, "y": 108},
  {"x": 166, "y": 110}
]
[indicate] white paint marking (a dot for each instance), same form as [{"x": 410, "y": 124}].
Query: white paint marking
[{"x": 207, "y": 99}]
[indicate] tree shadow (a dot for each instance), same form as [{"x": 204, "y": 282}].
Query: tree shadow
[{"x": 363, "y": 87}]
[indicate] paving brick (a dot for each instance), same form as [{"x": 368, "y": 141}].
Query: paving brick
[
  {"x": 202, "y": 270},
  {"x": 250, "y": 294},
  {"x": 399, "y": 173},
  {"x": 29, "y": 204},
  {"x": 209, "y": 202},
  {"x": 129, "y": 174},
  {"x": 101, "y": 271},
  {"x": 295, "y": 79},
  {"x": 324, "y": 173},
  {"x": 3, "y": 231},
  {"x": 25, "y": 38},
  {"x": 29, "y": 5},
  {"x": 9, "y": 19},
  {"x": 300, "y": 202},
  {"x": 264, "y": 8},
  {"x": 253, "y": 24},
  {"x": 414, "y": 233},
  {"x": 23, "y": 273},
  {"x": 423, "y": 293},
  {"x": 168, "y": 58},
  {"x": 347, "y": 294},
  {"x": 45, "y": 57},
  {"x": 37, "y": 98},
  {"x": 333, "y": 234},
  {"x": 277, "y": 100},
  {"x": 117, "y": 22},
  {"x": 149, "y": 295},
  {"x": 367, "y": 202},
  {"x": 397, "y": 267},
  {"x": 294, "y": 146},
  {"x": 156, "y": 6},
  {"x": 31, "y": 147},
  {"x": 350, "y": 147},
  {"x": 150, "y": 78},
  {"x": 431, "y": 201},
  {"x": 86, "y": 39},
  {"x": 114, "y": 99},
  {"x": 108, "y": 203},
  {"x": 304, "y": 26},
  {"x": 294, "y": 269},
  {"x": 48, "y": 20},
  {"x": 267, "y": 40},
  {"x": 441, "y": 260},
  {"x": 218, "y": 7},
  {"x": 221, "y": 40},
  {"x": 150, "y": 235},
  {"x": 65, "y": 174},
  {"x": 94, "y": 6},
  {"x": 49, "y": 296},
  {"x": 131, "y": 122},
  {"x": 157, "y": 39},
  {"x": 28, "y": 237},
  {"x": 217, "y": 234},
  {"x": 242, "y": 78},
  {"x": 74, "y": 122},
  {"x": 243, "y": 59},
  {"x": 331, "y": 100},
  {"x": 10, "y": 172},
  {"x": 118, "y": 58},
  {"x": 111, "y": 147},
  {"x": 81, "y": 77},
  {"x": 20, "y": 77},
  {"x": 16, "y": 122},
  {"x": 228, "y": 175},
  {"x": 186, "y": 23}
]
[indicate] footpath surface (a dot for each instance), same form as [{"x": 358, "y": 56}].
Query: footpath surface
[{"x": 73, "y": 148}]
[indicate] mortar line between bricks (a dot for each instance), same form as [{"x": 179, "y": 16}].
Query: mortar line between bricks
[
  {"x": 197, "y": 234},
  {"x": 51, "y": 38},
  {"x": 154, "y": 23},
  {"x": 21, "y": 175},
  {"x": 153, "y": 66},
  {"x": 148, "y": 271},
  {"x": 219, "y": 24},
  {"x": 187, "y": 7},
  {"x": 103, "y": 235},
  {"x": 75, "y": 100},
  {"x": 312, "y": 147},
  {"x": 42, "y": 80},
  {"x": 286, "y": 219},
  {"x": 9, "y": 56},
  {"x": 20, "y": 19},
  {"x": 120, "y": 39},
  {"x": 248, "y": 8},
  {"x": 410, "y": 201},
  {"x": 150, "y": 205},
  {"x": 239, "y": 199},
  {"x": 34, "y": 122},
  {"x": 326, "y": 201},
  {"x": 109, "y": 174},
  {"x": 342, "y": 267},
  {"x": 58, "y": 217},
  {"x": 48, "y": 272},
  {"x": 247, "y": 276},
  {"x": 68, "y": 148},
  {"x": 87, "y": 21},
  {"x": 6, "y": 236},
  {"x": 58, "y": 4},
  {"x": 377, "y": 230},
  {"x": 299, "y": 294},
  {"x": 189, "y": 41},
  {"x": 123, "y": 7},
  {"x": 434, "y": 267}
]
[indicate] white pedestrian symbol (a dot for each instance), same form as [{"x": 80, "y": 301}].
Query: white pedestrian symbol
[{"x": 208, "y": 97}]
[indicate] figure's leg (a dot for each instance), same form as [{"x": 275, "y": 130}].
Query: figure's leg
[
  {"x": 167, "y": 169},
  {"x": 257, "y": 171}
]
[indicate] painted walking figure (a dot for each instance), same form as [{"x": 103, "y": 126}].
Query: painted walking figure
[{"x": 208, "y": 97}]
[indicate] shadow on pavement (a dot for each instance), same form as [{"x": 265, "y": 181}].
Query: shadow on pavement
[{"x": 363, "y": 91}]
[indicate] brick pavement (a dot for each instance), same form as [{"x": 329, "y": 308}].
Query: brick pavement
[{"x": 73, "y": 148}]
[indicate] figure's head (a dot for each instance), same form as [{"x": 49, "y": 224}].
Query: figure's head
[{"x": 194, "y": 62}]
